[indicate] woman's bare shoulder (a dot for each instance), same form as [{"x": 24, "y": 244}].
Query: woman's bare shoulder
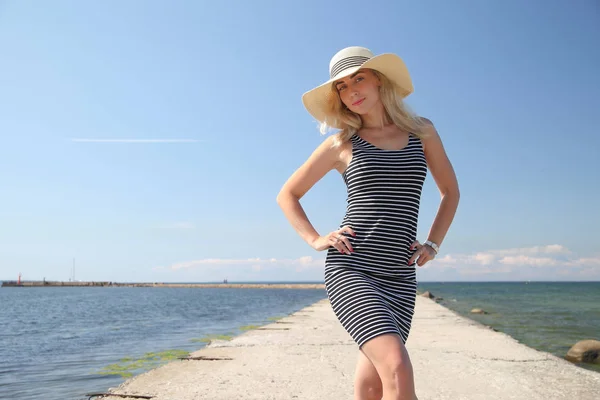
[{"x": 429, "y": 132}]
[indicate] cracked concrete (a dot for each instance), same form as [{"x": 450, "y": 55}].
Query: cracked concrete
[{"x": 453, "y": 358}]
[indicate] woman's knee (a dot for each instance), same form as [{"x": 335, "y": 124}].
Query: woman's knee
[
  {"x": 367, "y": 384},
  {"x": 369, "y": 390},
  {"x": 390, "y": 357},
  {"x": 398, "y": 366},
  {"x": 374, "y": 393}
]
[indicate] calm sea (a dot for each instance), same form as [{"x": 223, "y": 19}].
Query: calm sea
[
  {"x": 60, "y": 343},
  {"x": 548, "y": 316}
]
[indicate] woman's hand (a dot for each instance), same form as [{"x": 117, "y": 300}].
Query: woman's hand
[
  {"x": 335, "y": 239},
  {"x": 423, "y": 254}
]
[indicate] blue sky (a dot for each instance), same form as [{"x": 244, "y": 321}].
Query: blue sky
[{"x": 94, "y": 97}]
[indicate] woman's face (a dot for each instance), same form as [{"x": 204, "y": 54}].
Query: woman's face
[{"x": 359, "y": 91}]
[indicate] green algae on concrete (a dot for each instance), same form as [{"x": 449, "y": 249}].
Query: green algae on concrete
[
  {"x": 208, "y": 338},
  {"x": 249, "y": 327},
  {"x": 128, "y": 366}
]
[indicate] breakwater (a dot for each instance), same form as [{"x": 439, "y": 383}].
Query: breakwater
[{"x": 30, "y": 284}]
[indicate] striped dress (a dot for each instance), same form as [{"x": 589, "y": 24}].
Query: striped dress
[{"x": 372, "y": 290}]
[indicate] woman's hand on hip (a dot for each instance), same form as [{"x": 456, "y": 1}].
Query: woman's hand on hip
[
  {"x": 423, "y": 254},
  {"x": 335, "y": 239}
]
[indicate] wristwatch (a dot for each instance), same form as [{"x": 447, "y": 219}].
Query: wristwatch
[{"x": 434, "y": 246}]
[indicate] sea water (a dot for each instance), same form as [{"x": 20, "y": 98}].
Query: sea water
[{"x": 61, "y": 343}]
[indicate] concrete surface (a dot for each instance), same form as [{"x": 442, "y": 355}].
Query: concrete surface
[{"x": 308, "y": 356}]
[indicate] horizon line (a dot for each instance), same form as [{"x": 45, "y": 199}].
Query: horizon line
[{"x": 307, "y": 281}]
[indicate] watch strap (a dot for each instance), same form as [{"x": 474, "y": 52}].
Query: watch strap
[{"x": 434, "y": 246}]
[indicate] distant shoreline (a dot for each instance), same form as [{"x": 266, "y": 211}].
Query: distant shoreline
[{"x": 32, "y": 284}]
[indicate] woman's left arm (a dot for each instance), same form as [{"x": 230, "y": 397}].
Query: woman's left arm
[{"x": 445, "y": 178}]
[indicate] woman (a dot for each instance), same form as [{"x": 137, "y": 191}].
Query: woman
[{"x": 382, "y": 152}]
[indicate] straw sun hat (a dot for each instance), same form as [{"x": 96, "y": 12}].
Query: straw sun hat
[{"x": 346, "y": 62}]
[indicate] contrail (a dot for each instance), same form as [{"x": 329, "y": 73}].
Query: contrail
[{"x": 135, "y": 140}]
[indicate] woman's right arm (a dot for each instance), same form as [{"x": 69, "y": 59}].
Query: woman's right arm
[{"x": 325, "y": 158}]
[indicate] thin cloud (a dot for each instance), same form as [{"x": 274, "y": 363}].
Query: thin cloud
[
  {"x": 555, "y": 249},
  {"x": 553, "y": 261},
  {"x": 85, "y": 140},
  {"x": 179, "y": 225},
  {"x": 500, "y": 260},
  {"x": 585, "y": 261}
]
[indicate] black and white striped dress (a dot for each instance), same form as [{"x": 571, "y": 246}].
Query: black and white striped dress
[{"x": 372, "y": 290}]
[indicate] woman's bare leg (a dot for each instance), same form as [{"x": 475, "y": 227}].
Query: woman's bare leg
[
  {"x": 367, "y": 384},
  {"x": 390, "y": 358}
]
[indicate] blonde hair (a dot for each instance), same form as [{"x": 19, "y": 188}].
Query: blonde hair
[{"x": 396, "y": 112}]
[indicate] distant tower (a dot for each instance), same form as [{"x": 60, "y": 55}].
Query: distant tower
[
  {"x": 72, "y": 274},
  {"x": 19, "y": 280}
]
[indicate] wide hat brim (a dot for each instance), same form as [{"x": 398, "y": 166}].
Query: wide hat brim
[{"x": 392, "y": 66}]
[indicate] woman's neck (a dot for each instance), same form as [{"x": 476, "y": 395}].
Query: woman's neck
[{"x": 376, "y": 118}]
